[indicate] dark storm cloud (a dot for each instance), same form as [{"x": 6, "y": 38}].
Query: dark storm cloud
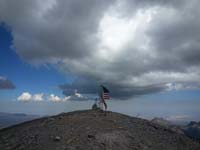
[
  {"x": 6, "y": 84},
  {"x": 86, "y": 86},
  {"x": 134, "y": 47},
  {"x": 53, "y": 29},
  {"x": 127, "y": 92},
  {"x": 178, "y": 35}
]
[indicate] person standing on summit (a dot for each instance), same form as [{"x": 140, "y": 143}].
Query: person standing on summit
[{"x": 103, "y": 95}]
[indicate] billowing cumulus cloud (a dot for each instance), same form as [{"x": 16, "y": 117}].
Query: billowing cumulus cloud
[
  {"x": 38, "y": 97},
  {"x": 72, "y": 97},
  {"x": 6, "y": 84},
  {"x": 27, "y": 97},
  {"x": 54, "y": 98},
  {"x": 134, "y": 46}
]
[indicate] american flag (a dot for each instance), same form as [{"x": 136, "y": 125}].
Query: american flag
[{"x": 105, "y": 93}]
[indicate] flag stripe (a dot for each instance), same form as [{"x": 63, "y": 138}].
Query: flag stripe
[{"x": 106, "y": 96}]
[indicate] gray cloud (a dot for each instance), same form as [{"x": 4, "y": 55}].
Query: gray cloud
[
  {"x": 6, "y": 84},
  {"x": 134, "y": 47},
  {"x": 87, "y": 86},
  {"x": 53, "y": 30}
]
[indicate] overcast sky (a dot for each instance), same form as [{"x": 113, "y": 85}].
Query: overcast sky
[{"x": 134, "y": 47}]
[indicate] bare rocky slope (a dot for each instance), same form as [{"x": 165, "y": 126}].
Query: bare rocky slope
[{"x": 92, "y": 130}]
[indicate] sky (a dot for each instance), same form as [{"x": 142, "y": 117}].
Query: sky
[{"x": 146, "y": 52}]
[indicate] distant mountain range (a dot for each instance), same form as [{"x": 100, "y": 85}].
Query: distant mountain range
[
  {"x": 191, "y": 130},
  {"x": 8, "y": 119}
]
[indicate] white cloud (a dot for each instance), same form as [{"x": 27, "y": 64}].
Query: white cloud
[
  {"x": 24, "y": 97},
  {"x": 38, "y": 97},
  {"x": 54, "y": 98},
  {"x": 76, "y": 97},
  {"x": 27, "y": 97},
  {"x": 66, "y": 98}
]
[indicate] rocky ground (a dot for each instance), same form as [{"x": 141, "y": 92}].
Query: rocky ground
[
  {"x": 191, "y": 130},
  {"x": 92, "y": 130}
]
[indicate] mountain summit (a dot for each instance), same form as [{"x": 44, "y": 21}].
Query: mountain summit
[{"x": 92, "y": 129}]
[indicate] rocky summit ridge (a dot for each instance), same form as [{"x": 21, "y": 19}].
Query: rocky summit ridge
[{"x": 93, "y": 130}]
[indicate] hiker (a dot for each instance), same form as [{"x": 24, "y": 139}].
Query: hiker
[{"x": 95, "y": 106}]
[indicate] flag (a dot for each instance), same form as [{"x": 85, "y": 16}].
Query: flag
[{"x": 105, "y": 93}]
